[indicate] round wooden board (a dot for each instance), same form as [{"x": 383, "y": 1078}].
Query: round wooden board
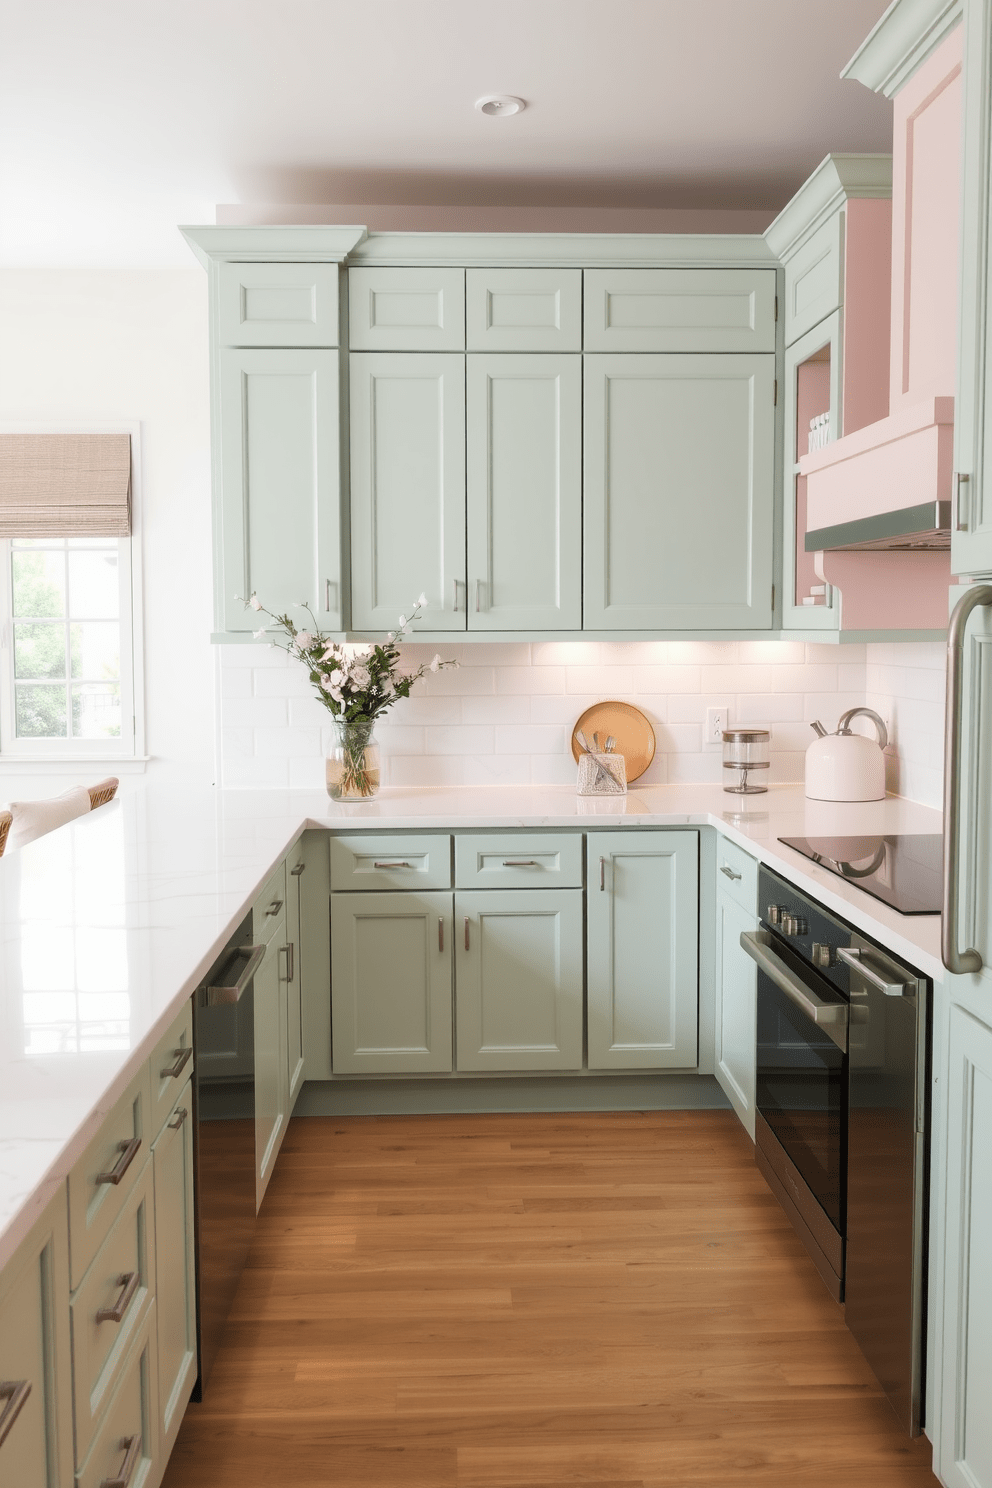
[{"x": 633, "y": 733}]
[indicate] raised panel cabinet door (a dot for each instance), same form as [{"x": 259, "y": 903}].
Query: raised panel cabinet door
[
  {"x": 643, "y": 933},
  {"x": 406, "y": 309},
  {"x": 736, "y": 1010},
  {"x": 277, "y": 304},
  {"x": 524, "y": 492},
  {"x": 391, "y": 983},
  {"x": 293, "y": 969},
  {"x": 407, "y": 489},
  {"x": 518, "y": 979},
  {"x": 523, "y": 309},
  {"x": 965, "y": 1451},
  {"x": 36, "y": 1450},
  {"x": 814, "y": 279},
  {"x": 280, "y": 484},
  {"x": 679, "y": 492},
  {"x": 270, "y": 1063},
  {"x": 679, "y": 310},
  {"x": 971, "y": 535},
  {"x": 175, "y": 1286}
]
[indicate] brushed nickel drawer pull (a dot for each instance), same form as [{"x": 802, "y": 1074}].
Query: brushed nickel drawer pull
[
  {"x": 290, "y": 954},
  {"x": 466, "y": 932},
  {"x": 440, "y": 933},
  {"x": 181, "y": 1115},
  {"x": 128, "y": 1284},
  {"x": 602, "y": 875},
  {"x": 295, "y": 872},
  {"x": 131, "y": 1447},
  {"x": 128, "y": 1152},
  {"x": 14, "y": 1392},
  {"x": 729, "y": 871},
  {"x": 391, "y": 865},
  {"x": 183, "y": 1056},
  {"x": 521, "y": 863},
  {"x": 274, "y": 907}
]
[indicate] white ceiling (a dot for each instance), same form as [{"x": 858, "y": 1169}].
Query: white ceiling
[{"x": 120, "y": 118}]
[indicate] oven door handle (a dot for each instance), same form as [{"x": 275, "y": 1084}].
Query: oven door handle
[{"x": 832, "y": 1017}]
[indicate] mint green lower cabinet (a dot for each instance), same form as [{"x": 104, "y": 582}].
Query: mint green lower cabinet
[
  {"x": 679, "y": 492},
  {"x": 965, "y": 1450},
  {"x": 736, "y": 1009},
  {"x": 524, "y": 442},
  {"x": 292, "y": 952},
  {"x": 518, "y": 975},
  {"x": 172, "y": 1156},
  {"x": 642, "y": 929},
  {"x": 391, "y": 961},
  {"x": 407, "y": 488},
  {"x": 279, "y": 480},
  {"x": 270, "y": 1062}
]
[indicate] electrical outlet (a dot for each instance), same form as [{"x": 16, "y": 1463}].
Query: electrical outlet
[{"x": 716, "y": 722}]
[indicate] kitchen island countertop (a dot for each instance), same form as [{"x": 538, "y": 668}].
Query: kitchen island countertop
[{"x": 108, "y": 924}]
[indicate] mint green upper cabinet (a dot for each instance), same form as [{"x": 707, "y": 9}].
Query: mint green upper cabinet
[
  {"x": 524, "y": 425},
  {"x": 814, "y": 279},
  {"x": 518, "y": 973},
  {"x": 280, "y": 480},
  {"x": 282, "y": 304},
  {"x": 971, "y": 541},
  {"x": 407, "y": 489},
  {"x": 679, "y": 492},
  {"x": 679, "y": 310},
  {"x": 406, "y": 309},
  {"x": 523, "y": 309},
  {"x": 642, "y": 929}
]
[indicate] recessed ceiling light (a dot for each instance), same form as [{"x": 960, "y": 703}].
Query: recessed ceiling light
[{"x": 500, "y": 105}]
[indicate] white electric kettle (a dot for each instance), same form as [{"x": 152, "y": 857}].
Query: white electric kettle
[{"x": 845, "y": 766}]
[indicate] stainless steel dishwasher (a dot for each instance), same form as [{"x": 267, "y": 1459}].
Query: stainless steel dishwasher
[{"x": 224, "y": 1151}]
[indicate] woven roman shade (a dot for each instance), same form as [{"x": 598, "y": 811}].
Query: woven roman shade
[{"x": 65, "y": 485}]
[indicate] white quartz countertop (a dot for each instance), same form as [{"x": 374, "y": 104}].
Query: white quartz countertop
[{"x": 108, "y": 924}]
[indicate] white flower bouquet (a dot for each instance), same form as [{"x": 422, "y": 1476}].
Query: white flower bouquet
[{"x": 355, "y": 685}]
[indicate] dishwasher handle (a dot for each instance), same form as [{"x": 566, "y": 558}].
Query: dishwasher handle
[
  {"x": 227, "y": 990},
  {"x": 832, "y": 1017}
]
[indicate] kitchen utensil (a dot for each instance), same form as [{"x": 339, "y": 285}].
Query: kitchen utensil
[
  {"x": 632, "y": 734},
  {"x": 845, "y": 766},
  {"x": 593, "y": 775}
]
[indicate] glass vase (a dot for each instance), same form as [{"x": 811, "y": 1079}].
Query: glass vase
[{"x": 352, "y": 770}]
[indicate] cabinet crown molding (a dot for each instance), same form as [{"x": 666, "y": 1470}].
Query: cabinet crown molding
[
  {"x": 837, "y": 179},
  {"x": 557, "y": 250},
  {"x": 272, "y": 244},
  {"x": 901, "y": 41}
]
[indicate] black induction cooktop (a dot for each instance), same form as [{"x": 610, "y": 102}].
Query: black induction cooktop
[{"x": 903, "y": 871}]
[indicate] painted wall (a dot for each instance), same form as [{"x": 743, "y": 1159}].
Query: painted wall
[{"x": 102, "y": 345}]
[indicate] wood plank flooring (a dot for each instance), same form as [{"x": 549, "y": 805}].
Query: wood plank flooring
[{"x": 608, "y": 1301}]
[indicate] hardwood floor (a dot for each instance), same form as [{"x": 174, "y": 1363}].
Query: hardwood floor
[{"x": 533, "y": 1302}]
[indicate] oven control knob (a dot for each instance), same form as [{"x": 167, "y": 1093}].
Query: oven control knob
[
  {"x": 823, "y": 954},
  {"x": 793, "y": 925},
  {"x": 775, "y": 913}
]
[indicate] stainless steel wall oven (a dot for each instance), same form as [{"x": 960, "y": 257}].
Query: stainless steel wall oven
[{"x": 841, "y": 1131}]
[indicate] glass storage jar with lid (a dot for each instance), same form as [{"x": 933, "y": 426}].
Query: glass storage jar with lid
[{"x": 745, "y": 750}]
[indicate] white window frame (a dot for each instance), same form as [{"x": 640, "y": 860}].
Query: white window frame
[{"x": 53, "y": 755}]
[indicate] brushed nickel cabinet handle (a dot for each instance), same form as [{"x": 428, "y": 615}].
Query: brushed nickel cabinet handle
[
  {"x": 183, "y": 1057},
  {"x": 478, "y": 595},
  {"x": 181, "y": 1115},
  {"x": 330, "y": 584},
  {"x": 295, "y": 872},
  {"x": 131, "y": 1447},
  {"x": 602, "y": 875},
  {"x": 729, "y": 871},
  {"x": 14, "y": 1392},
  {"x": 955, "y": 960},
  {"x": 962, "y": 516},
  {"x": 521, "y": 863},
  {"x": 274, "y": 907},
  {"x": 128, "y": 1152},
  {"x": 456, "y": 606},
  {"x": 128, "y": 1283},
  {"x": 440, "y": 933},
  {"x": 391, "y": 865},
  {"x": 289, "y": 951},
  {"x": 466, "y": 932},
  {"x": 229, "y": 990}
]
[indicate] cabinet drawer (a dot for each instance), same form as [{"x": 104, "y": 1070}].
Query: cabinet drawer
[
  {"x": 501, "y": 860},
  {"x": 523, "y": 309},
  {"x": 679, "y": 310},
  {"x": 406, "y": 309},
  {"x": 814, "y": 279},
  {"x": 367, "y": 862},
  {"x": 131, "y": 1414},
  {"x": 122, "y": 1271},
  {"x": 170, "y": 1067},
  {"x": 101, "y": 1182},
  {"x": 278, "y": 305},
  {"x": 269, "y": 909},
  {"x": 736, "y": 874}
]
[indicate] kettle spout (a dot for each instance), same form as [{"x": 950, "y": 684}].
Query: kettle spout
[{"x": 818, "y": 729}]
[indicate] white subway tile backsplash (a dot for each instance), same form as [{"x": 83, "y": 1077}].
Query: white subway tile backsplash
[{"x": 505, "y": 714}]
